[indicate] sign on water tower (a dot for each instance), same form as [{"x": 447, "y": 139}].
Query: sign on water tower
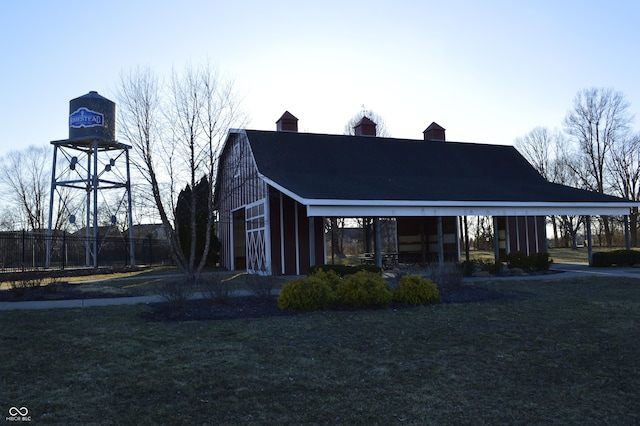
[{"x": 83, "y": 117}]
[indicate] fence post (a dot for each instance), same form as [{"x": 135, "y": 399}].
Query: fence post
[
  {"x": 23, "y": 261},
  {"x": 64, "y": 249}
]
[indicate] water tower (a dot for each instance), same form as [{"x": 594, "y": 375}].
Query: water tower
[{"x": 92, "y": 162}]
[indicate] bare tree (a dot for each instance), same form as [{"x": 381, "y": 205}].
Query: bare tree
[
  {"x": 599, "y": 120},
  {"x": 538, "y": 147},
  {"x": 381, "y": 126},
  {"x": 176, "y": 134},
  {"x": 624, "y": 169},
  {"x": 545, "y": 151},
  {"x": 26, "y": 176}
]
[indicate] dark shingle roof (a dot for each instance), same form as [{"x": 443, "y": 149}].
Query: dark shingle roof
[{"x": 336, "y": 167}]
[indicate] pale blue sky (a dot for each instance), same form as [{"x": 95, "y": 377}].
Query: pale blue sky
[{"x": 488, "y": 71}]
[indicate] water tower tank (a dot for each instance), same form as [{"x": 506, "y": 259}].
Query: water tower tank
[{"x": 92, "y": 117}]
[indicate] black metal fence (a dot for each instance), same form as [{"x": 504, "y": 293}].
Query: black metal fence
[{"x": 24, "y": 250}]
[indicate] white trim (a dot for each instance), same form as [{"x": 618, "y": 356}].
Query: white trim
[
  {"x": 250, "y": 238},
  {"x": 467, "y": 209},
  {"x": 282, "y": 189},
  {"x": 471, "y": 204},
  {"x": 396, "y": 208}
]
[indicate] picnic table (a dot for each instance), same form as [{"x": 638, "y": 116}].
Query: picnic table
[{"x": 389, "y": 260}]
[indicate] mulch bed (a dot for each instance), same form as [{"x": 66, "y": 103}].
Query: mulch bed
[
  {"x": 252, "y": 307},
  {"x": 232, "y": 308}
]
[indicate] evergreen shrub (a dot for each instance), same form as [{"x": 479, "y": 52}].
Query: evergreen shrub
[
  {"x": 533, "y": 262},
  {"x": 616, "y": 257},
  {"x": 306, "y": 294},
  {"x": 364, "y": 290},
  {"x": 329, "y": 276},
  {"x": 415, "y": 290}
]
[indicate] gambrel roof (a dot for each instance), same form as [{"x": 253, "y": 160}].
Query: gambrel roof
[{"x": 337, "y": 175}]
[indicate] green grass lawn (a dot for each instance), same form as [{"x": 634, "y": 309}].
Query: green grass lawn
[
  {"x": 145, "y": 282},
  {"x": 559, "y": 352}
]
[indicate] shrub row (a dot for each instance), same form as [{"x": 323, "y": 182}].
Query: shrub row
[
  {"x": 616, "y": 257},
  {"x": 532, "y": 262},
  {"x": 362, "y": 290},
  {"x": 472, "y": 266},
  {"x": 344, "y": 270}
]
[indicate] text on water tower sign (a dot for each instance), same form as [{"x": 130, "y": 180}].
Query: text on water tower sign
[{"x": 84, "y": 117}]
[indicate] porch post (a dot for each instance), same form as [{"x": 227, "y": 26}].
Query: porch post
[
  {"x": 627, "y": 235},
  {"x": 589, "y": 242},
  {"x": 496, "y": 240},
  {"x": 466, "y": 239},
  {"x": 295, "y": 220},
  {"x": 440, "y": 243},
  {"x": 377, "y": 241},
  {"x": 312, "y": 241},
  {"x": 282, "y": 259}
]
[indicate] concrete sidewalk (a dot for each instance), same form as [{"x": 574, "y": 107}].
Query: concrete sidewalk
[
  {"x": 78, "y": 303},
  {"x": 564, "y": 271}
]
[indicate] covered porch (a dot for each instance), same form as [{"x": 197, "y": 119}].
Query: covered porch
[{"x": 424, "y": 236}]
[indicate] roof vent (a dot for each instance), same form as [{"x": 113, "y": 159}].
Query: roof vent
[
  {"x": 365, "y": 127},
  {"x": 287, "y": 123},
  {"x": 434, "y": 132}
]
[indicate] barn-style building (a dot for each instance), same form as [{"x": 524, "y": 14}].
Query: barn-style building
[{"x": 275, "y": 189}]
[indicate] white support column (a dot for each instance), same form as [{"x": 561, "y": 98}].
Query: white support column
[
  {"x": 507, "y": 234},
  {"x": 590, "y": 247},
  {"x": 496, "y": 240},
  {"x": 517, "y": 233},
  {"x": 526, "y": 234},
  {"x": 440, "y": 242},
  {"x": 295, "y": 207},
  {"x": 535, "y": 227},
  {"x": 312, "y": 241},
  {"x": 324, "y": 242},
  {"x": 627, "y": 234},
  {"x": 377, "y": 241},
  {"x": 282, "y": 262},
  {"x": 267, "y": 235},
  {"x": 458, "y": 236}
]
